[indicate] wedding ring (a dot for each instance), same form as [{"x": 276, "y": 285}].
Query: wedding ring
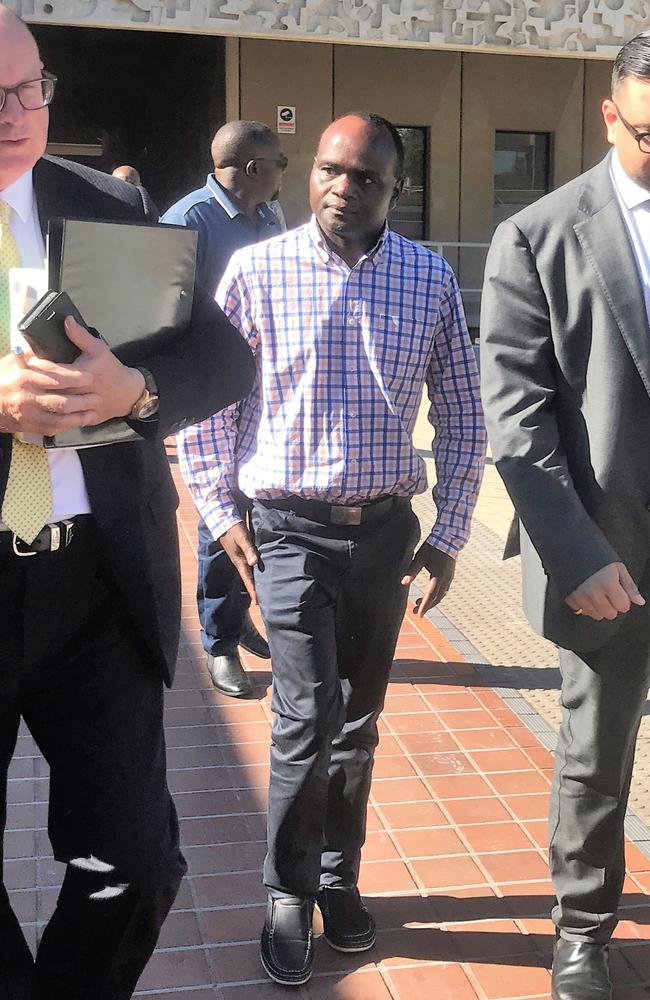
[{"x": 579, "y": 612}]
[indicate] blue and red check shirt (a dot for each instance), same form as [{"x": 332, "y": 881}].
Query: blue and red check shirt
[{"x": 342, "y": 354}]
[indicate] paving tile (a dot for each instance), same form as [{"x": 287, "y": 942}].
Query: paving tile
[
  {"x": 178, "y": 968},
  {"x": 423, "y": 743},
  {"x": 444, "y": 982},
  {"x": 394, "y": 766},
  {"x": 519, "y": 976},
  {"x": 222, "y": 890},
  {"x": 385, "y": 876},
  {"x": 422, "y": 722},
  {"x": 496, "y": 837},
  {"x": 469, "y": 719},
  {"x": 231, "y": 924},
  {"x": 415, "y": 946},
  {"x": 437, "y": 873},
  {"x": 412, "y": 814},
  {"x": 519, "y": 782},
  {"x": 223, "y": 858},
  {"x": 483, "y": 739},
  {"x": 489, "y": 939},
  {"x": 515, "y": 866},
  {"x": 399, "y": 790},
  {"x": 429, "y": 843},
  {"x": 353, "y": 986},
  {"x": 528, "y": 806},
  {"x": 379, "y": 847},
  {"x": 444, "y": 763},
  {"x": 460, "y": 786},
  {"x": 484, "y": 810}
]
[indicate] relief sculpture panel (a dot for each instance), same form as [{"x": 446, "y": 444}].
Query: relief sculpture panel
[{"x": 580, "y": 27}]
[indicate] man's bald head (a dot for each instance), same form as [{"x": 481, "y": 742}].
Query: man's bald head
[
  {"x": 355, "y": 181},
  {"x": 127, "y": 173},
  {"x": 238, "y": 142},
  {"x": 373, "y": 130},
  {"x": 248, "y": 162},
  {"x": 23, "y": 134}
]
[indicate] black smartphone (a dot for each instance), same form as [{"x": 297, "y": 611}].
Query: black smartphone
[{"x": 43, "y": 327}]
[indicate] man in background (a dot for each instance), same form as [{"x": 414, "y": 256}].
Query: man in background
[
  {"x": 228, "y": 213},
  {"x": 129, "y": 174}
]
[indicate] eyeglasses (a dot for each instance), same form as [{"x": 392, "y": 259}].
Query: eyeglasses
[
  {"x": 643, "y": 138},
  {"x": 280, "y": 161},
  {"x": 32, "y": 94}
]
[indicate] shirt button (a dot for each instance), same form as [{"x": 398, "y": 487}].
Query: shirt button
[{"x": 352, "y": 413}]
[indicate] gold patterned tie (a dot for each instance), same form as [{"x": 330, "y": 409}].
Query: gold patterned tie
[{"x": 27, "y": 503}]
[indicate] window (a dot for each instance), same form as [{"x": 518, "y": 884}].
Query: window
[
  {"x": 409, "y": 216},
  {"x": 521, "y": 171}
]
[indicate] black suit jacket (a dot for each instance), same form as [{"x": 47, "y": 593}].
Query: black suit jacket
[{"x": 130, "y": 487}]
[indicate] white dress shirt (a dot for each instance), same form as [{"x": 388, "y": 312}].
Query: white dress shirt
[
  {"x": 634, "y": 202},
  {"x": 69, "y": 495}
]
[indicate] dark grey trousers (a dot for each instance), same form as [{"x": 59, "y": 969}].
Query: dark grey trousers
[
  {"x": 603, "y": 696},
  {"x": 332, "y": 604}
]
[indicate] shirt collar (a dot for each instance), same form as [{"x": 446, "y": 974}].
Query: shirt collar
[
  {"x": 20, "y": 196},
  {"x": 326, "y": 253},
  {"x": 630, "y": 193},
  {"x": 221, "y": 196}
]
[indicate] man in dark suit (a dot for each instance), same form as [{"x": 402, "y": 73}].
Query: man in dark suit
[
  {"x": 565, "y": 360},
  {"x": 89, "y": 576}
]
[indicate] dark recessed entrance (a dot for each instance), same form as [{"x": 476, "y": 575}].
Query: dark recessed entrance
[{"x": 150, "y": 99}]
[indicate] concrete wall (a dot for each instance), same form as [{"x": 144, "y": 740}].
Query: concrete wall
[
  {"x": 298, "y": 74},
  {"x": 462, "y": 98},
  {"x": 415, "y": 88}
]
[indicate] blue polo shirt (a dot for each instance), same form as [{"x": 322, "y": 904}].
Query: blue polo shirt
[{"x": 221, "y": 226}]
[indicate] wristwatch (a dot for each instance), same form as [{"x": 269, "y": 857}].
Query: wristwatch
[{"x": 146, "y": 405}]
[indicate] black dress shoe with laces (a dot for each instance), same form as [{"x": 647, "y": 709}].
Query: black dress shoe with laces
[
  {"x": 228, "y": 675},
  {"x": 580, "y": 971},
  {"x": 286, "y": 949},
  {"x": 252, "y": 640},
  {"x": 347, "y": 923}
]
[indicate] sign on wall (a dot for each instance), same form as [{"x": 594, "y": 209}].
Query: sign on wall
[{"x": 286, "y": 120}]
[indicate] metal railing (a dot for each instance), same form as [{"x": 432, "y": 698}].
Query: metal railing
[{"x": 462, "y": 255}]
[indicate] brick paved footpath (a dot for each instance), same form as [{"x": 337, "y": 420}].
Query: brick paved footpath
[{"x": 454, "y": 865}]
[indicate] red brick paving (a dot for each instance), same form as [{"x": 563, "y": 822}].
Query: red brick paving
[{"x": 455, "y": 863}]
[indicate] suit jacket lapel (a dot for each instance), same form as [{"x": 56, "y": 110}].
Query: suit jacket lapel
[{"x": 604, "y": 239}]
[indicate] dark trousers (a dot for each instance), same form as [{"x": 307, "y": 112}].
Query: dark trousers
[
  {"x": 603, "y": 696},
  {"x": 332, "y": 603},
  {"x": 221, "y": 598},
  {"x": 71, "y": 666}
]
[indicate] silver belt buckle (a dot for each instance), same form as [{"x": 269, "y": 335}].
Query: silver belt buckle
[
  {"x": 15, "y": 540},
  {"x": 345, "y": 515}
]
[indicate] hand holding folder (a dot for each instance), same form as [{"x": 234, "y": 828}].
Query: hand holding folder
[{"x": 133, "y": 283}]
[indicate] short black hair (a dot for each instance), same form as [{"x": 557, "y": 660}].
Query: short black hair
[
  {"x": 383, "y": 125},
  {"x": 632, "y": 60}
]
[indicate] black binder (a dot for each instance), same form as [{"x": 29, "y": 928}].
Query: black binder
[{"x": 134, "y": 283}]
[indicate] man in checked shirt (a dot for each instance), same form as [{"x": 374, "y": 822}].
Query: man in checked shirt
[{"x": 347, "y": 321}]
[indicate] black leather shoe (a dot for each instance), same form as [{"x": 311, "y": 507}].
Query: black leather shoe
[
  {"x": 580, "y": 971},
  {"x": 228, "y": 675},
  {"x": 252, "y": 640},
  {"x": 286, "y": 949},
  {"x": 347, "y": 923}
]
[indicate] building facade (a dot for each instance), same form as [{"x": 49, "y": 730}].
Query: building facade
[{"x": 499, "y": 99}]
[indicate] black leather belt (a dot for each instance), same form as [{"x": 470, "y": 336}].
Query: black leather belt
[
  {"x": 338, "y": 514},
  {"x": 51, "y": 538}
]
